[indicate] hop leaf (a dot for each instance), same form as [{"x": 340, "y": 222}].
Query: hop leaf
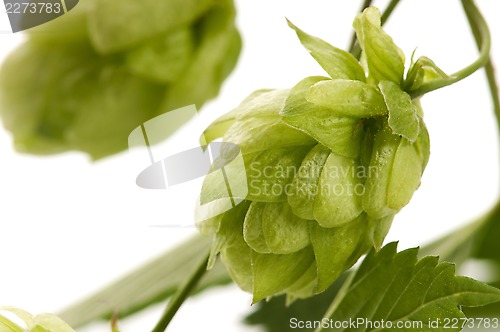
[
  {"x": 397, "y": 287},
  {"x": 403, "y": 280}
]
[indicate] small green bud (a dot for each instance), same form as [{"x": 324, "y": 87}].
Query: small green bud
[{"x": 422, "y": 71}]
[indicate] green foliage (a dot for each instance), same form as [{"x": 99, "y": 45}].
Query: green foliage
[
  {"x": 477, "y": 241},
  {"x": 397, "y": 287}
]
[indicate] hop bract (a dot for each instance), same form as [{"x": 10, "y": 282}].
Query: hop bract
[
  {"x": 85, "y": 80},
  {"x": 328, "y": 165}
]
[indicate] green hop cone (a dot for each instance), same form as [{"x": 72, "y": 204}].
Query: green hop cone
[
  {"x": 85, "y": 80},
  {"x": 328, "y": 164}
]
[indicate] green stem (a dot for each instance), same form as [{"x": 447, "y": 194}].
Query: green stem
[
  {"x": 114, "y": 323},
  {"x": 388, "y": 11},
  {"x": 490, "y": 75},
  {"x": 356, "y": 49},
  {"x": 341, "y": 294},
  {"x": 479, "y": 25},
  {"x": 490, "y": 71},
  {"x": 180, "y": 296}
]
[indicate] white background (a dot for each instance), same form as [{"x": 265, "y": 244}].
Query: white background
[{"x": 69, "y": 226}]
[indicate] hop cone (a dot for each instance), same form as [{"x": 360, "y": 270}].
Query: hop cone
[
  {"x": 85, "y": 80},
  {"x": 328, "y": 165}
]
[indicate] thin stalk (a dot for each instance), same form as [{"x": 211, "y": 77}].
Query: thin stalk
[
  {"x": 488, "y": 67},
  {"x": 490, "y": 75},
  {"x": 479, "y": 24},
  {"x": 490, "y": 71},
  {"x": 180, "y": 296},
  {"x": 114, "y": 323},
  {"x": 388, "y": 11},
  {"x": 338, "y": 297}
]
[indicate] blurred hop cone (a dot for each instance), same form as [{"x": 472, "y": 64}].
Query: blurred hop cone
[
  {"x": 85, "y": 80},
  {"x": 25, "y": 322},
  {"x": 328, "y": 164}
]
